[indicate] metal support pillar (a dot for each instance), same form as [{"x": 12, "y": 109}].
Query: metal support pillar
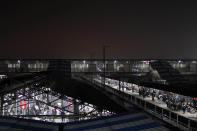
[
  {"x": 76, "y": 109},
  {"x": 123, "y": 85},
  {"x": 61, "y": 106},
  {"x": 24, "y": 90},
  {"x": 1, "y": 108},
  {"x": 16, "y": 109},
  {"x": 188, "y": 123},
  {"x": 119, "y": 84},
  {"x": 177, "y": 119},
  {"x": 47, "y": 96},
  {"x": 28, "y": 95},
  {"x": 169, "y": 115}
]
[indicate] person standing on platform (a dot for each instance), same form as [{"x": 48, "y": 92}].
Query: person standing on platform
[{"x": 153, "y": 95}]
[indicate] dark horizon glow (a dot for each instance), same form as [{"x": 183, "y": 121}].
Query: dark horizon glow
[{"x": 78, "y": 30}]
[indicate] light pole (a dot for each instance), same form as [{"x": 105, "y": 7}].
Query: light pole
[
  {"x": 104, "y": 56},
  {"x": 91, "y": 67}
]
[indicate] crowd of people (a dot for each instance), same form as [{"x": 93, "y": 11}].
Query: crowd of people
[{"x": 173, "y": 101}]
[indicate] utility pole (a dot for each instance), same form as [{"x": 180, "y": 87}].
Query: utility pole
[
  {"x": 104, "y": 57},
  {"x": 91, "y": 67}
]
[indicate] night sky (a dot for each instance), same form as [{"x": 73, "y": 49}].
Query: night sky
[{"x": 78, "y": 29}]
